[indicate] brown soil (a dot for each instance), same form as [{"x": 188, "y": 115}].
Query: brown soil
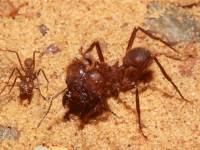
[{"x": 168, "y": 122}]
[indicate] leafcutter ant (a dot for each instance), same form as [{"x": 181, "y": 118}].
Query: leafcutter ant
[
  {"x": 27, "y": 75},
  {"x": 91, "y": 82}
]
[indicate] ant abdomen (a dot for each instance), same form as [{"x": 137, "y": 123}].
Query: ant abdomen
[{"x": 136, "y": 57}]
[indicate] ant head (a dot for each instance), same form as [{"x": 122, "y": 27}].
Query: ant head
[
  {"x": 28, "y": 62},
  {"x": 136, "y": 57},
  {"x": 75, "y": 71},
  {"x": 94, "y": 81}
]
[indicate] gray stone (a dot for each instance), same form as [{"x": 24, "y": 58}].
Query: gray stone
[
  {"x": 41, "y": 148},
  {"x": 173, "y": 24},
  {"x": 9, "y": 133}
]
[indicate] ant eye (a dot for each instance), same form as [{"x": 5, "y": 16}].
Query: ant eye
[{"x": 136, "y": 57}]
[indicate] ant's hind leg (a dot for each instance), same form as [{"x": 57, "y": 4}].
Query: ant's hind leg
[
  {"x": 169, "y": 79},
  {"x": 156, "y": 38},
  {"x": 177, "y": 58}
]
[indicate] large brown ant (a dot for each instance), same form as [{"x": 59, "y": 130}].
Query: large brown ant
[
  {"x": 27, "y": 75},
  {"x": 90, "y": 83}
]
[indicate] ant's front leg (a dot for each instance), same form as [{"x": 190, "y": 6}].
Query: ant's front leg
[
  {"x": 19, "y": 60},
  {"x": 34, "y": 53},
  {"x": 131, "y": 39},
  {"x": 38, "y": 73},
  {"x": 98, "y": 48}
]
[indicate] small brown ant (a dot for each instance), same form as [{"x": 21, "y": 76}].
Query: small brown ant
[
  {"x": 90, "y": 83},
  {"x": 27, "y": 74}
]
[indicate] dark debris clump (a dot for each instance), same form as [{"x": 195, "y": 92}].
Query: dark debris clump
[{"x": 43, "y": 29}]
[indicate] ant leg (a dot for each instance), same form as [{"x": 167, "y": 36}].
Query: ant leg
[
  {"x": 34, "y": 58},
  {"x": 171, "y": 56},
  {"x": 12, "y": 86},
  {"x": 41, "y": 93},
  {"x": 156, "y": 38},
  {"x": 12, "y": 73},
  {"x": 154, "y": 88},
  {"x": 124, "y": 104},
  {"x": 107, "y": 108},
  {"x": 131, "y": 40},
  {"x": 38, "y": 73},
  {"x": 7, "y": 85},
  {"x": 51, "y": 102},
  {"x": 168, "y": 78},
  {"x": 190, "y": 55},
  {"x": 138, "y": 112},
  {"x": 98, "y": 48},
  {"x": 20, "y": 62}
]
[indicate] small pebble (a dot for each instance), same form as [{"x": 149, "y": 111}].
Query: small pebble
[
  {"x": 52, "y": 48},
  {"x": 41, "y": 148},
  {"x": 9, "y": 133},
  {"x": 43, "y": 29}
]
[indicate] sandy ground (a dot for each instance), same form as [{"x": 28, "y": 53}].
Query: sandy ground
[{"x": 169, "y": 122}]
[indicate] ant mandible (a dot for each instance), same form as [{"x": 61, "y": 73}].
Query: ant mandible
[
  {"x": 27, "y": 75},
  {"x": 90, "y": 83}
]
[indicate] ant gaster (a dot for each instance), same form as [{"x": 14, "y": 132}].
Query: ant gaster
[
  {"x": 90, "y": 83},
  {"x": 27, "y": 75}
]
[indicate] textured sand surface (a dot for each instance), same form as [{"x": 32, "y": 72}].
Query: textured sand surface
[{"x": 169, "y": 122}]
